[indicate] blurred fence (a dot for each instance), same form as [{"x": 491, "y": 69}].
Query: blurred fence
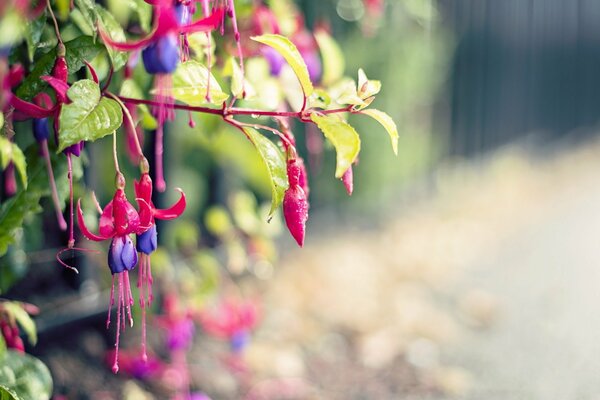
[{"x": 521, "y": 67}]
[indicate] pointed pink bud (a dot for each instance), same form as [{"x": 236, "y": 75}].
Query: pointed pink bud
[
  {"x": 348, "y": 180},
  {"x": 295, "y": 211}
]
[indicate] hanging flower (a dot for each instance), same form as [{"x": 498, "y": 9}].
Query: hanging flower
[
  {"x": 160, "y": 55},
  {"x": 147, "y": 240},
  {"x": 118, "y": 220}
]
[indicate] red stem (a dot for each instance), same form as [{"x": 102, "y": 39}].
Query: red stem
[{"x": 237, "y": 111}]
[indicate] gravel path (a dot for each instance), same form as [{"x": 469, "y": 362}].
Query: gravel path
[{"x": 545, "y": 279}]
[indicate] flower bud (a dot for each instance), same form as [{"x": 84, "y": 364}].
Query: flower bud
[
  {"x": 295, "y": 211},
  {"x": 60, "y": 69},
  {"x": 147, "y": 241},
  {"x": 122, "y": 255},
  {"x": 41, "y": 131},
  {"x": 162, "y": 56}
]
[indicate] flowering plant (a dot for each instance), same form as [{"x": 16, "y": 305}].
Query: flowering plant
[{"x": 75, "y": 69}]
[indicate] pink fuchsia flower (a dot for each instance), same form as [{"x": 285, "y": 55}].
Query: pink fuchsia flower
[
  {"x": 160, "y": 52},
  {"x": 147, "y": 241},
  {"x": 118, "y": 220},
  {"x": 231, "y": 320}
]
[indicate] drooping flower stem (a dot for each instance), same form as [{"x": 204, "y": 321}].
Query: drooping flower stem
[
  {"x": 71, "y": 242},
  {"x": 55, "y": 22}
]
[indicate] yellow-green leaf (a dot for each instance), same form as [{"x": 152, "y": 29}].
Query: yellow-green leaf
[
  {"x": 333, "y": 58},
  {"x": 366, "y": 87},
  {"x": 343, "y": 137},
  {"x": 275, "y": 163},
  {"x": 387, "y": 122},
  {"x": 130, "y": 88},
  {"x": 291, "y": 54},
  {"x": 190, "y": 82}
]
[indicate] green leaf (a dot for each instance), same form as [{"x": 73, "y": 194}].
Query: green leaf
[
  {"x": 5, "y": 152},
  {"x": 78, "y": 50},
  {"x": 90, "y": 16},
  {"x": 2, "y": 347},
  {"x": 33, "y": 34},
  {"x": 89, "y": 116},
  {"x": 387, "y": 122},
  {"x": 275, "y": 163},
  {"x": 291, "y": 54},
  {"x": 26, "y": 202},
  {"x": 15, "y": 309},
  {"x": 333, "y": 58},
  {"x": 8, "y": 394},
  {"x": 25, "y": 376},
  {"x": 190, "y": 85},
  {"x": 343, "y": 137},
  {"x": 116, "y": 33}
]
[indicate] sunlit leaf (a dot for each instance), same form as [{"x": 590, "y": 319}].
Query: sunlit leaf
[
  {"x": 275, "y": 163},
  {"x": 240, "y": 87},
  {"x": 23, "y": 319},
  {"x": 333, "y": 58},
  {"x": 291, "y": 54},
  {"x": 89, "y": 116},
  {"x": 343, "y": 137},
  {"x": 387, "y": 122},
  {"x": 190, "y": 82},
  {"x": 26, "y": 376},
  {"x": 116, "y": 33}
]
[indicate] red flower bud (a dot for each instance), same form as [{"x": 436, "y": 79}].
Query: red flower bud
[
  {"x": 60, "y": 70},
  {"x": 295, "y": 203}
]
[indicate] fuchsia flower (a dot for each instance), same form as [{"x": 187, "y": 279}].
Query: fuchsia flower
[
  {"x": 160, "y": 55},
  {"x": 118, "y": 221},
  {"x": 231, "y": 320},
  {"x": 147, "y": 240}
]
